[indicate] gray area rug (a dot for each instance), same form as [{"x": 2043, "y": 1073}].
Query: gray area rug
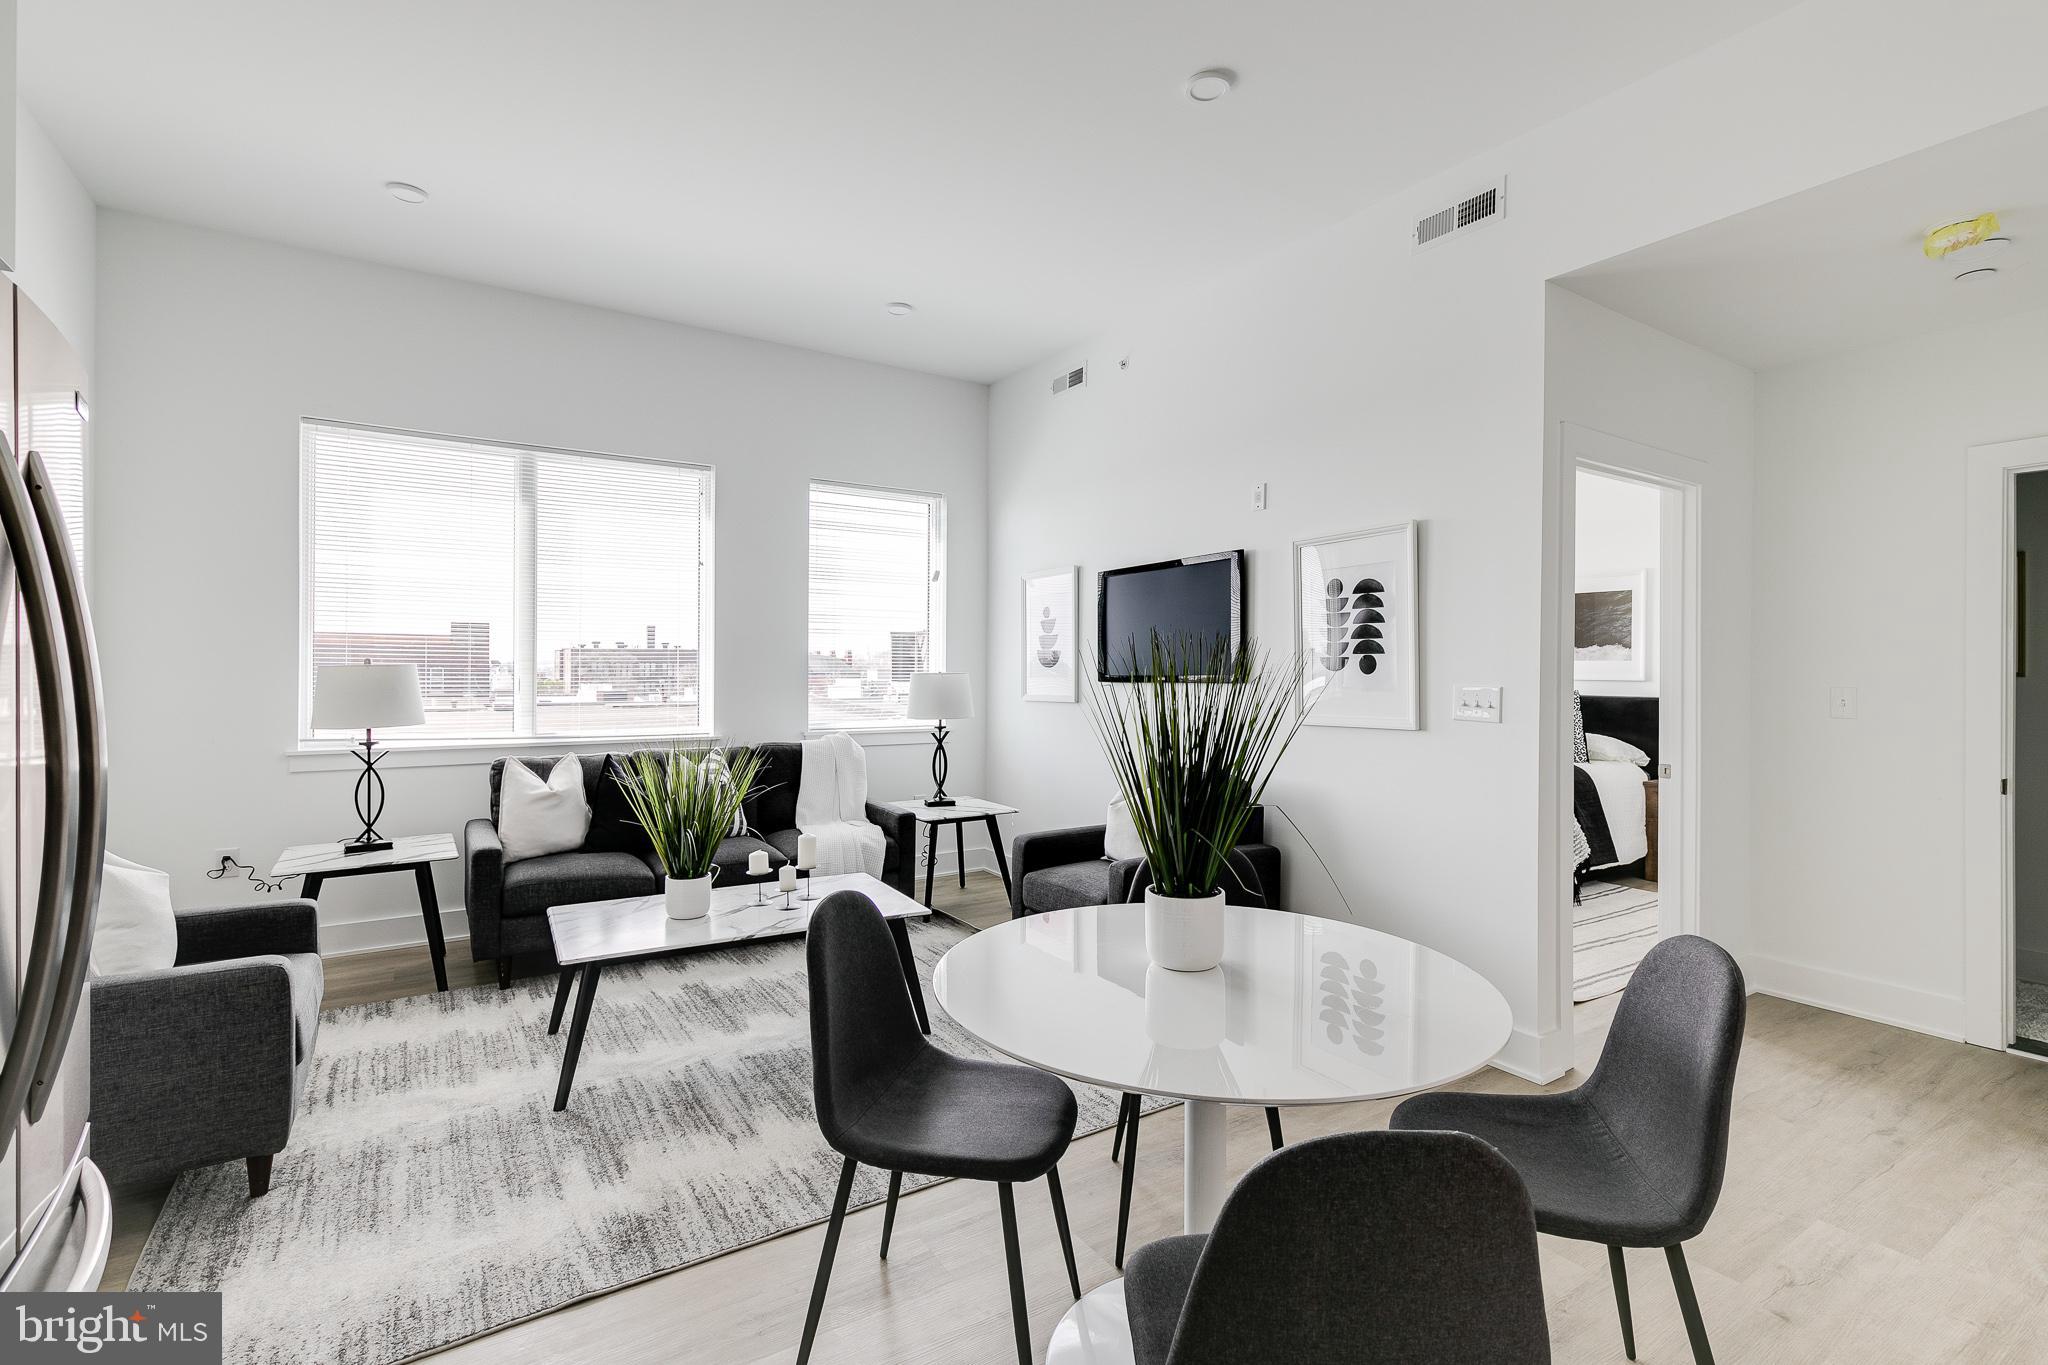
[
  {"x": 1612, "y": 927},
  {"x": 430, "y": 1194}
]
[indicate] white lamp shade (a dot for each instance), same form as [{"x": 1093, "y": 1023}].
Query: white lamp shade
[
  {"x": 367, "y": 697},
  {"x": 940, "y": 696}
]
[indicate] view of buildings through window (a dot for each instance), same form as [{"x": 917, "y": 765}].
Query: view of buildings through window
[
  {"x": 539, "y": 592},
  {"x": 877, "y": 598}
]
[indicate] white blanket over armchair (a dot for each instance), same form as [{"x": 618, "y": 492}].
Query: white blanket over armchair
[{"x": 832, "y": 806}]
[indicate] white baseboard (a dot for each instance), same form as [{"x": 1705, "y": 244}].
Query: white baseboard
[
  {"x": 390, "y": 931},
  {"x": 1882, "y": 1002},
  {"x": 1537, "y": 1057}
]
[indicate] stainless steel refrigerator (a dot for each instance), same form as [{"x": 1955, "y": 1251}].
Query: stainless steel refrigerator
[{"x": 54, "y": 1205}]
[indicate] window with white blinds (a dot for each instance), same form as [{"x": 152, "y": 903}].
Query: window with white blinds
[
  {"x": 542, "y": 593},
  {"x": 877, "y": 595}
]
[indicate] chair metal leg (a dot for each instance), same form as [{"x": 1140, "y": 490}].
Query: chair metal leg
[
  {"x": 1273, "y": 1127},
  {"x": 1123, "y": 1208},
  {"x": 1689, "y": 1306},
  {"x": 1628, "y": 1324},
  {"x": 1017, "y": 1314},
  {"x": 1123, "y": 1116},
  {"x": 803, "y": 1352},
  {"x": 1059, "y": 1216},
  {"x": 889, "y": 1214}
]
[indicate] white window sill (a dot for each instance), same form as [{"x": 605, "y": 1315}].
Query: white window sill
[{"x": 322, "y": 757}]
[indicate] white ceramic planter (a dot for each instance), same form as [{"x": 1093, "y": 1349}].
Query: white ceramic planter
[
  {"x": 686, "y": 897},
  {"x": 1184, "y": 935}
]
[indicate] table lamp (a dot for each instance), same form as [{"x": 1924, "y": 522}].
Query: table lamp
[
  {"x": 938, "y": 697},
  {"x": 367, "y": 697}
]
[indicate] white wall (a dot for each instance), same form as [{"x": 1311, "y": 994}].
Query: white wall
[
  {"x": 53, "y": 234},
  {"x": 1859, "y": 583},
  {"x": 1367, "y": 383},
  {"x": 211, "y": 349},
  {"x": 2030, "y": 738},
  {"x": 1616, "y": 531}
]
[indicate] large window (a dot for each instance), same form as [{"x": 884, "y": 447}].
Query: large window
[
  {"x": 878, "y": 603},
  {"x": 542, "y": 593}
]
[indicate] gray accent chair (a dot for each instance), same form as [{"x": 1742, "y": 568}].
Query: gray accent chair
[
  {"x": 508, "y": 904},
  {"x": 888, "y": 1098},
  {"x": 1058, "y": 869},
  {"x": 204, "y": 1061},
  {"x": 1372, "y": 1248},
  {"x": 1635, "y": 1156}
]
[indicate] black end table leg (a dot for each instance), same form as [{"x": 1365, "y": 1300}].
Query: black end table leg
[
  {"x": 899, "y": 929},
  {"x": 995, "y": 841},
  {"x": 1619, "y": 1270},
  {"x": 310, "y": 887},
  {"x": 931, "y": 861},
  {"x": 561, "y": 1000},
  {"x": 960, "y": 851},
  {"x": 430, "y": 911},
  {"x": 577, "y": 1022}
]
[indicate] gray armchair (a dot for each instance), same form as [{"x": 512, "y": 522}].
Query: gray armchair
[
  {"x": 1057, "y": 869},
  {"x": 203, "y": 1061}
]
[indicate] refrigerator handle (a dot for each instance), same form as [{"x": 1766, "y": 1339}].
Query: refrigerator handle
[
  {"x": 60, "y": 818},
  {"x": 90, "y": 734}
]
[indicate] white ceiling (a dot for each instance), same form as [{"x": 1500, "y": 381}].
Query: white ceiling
[
  {"x": 1839, "y": 266},
  {"x": 1022, "y": 172}
]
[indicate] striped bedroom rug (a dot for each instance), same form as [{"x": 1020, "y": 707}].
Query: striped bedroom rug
[{"x": 1612, "y": 927}]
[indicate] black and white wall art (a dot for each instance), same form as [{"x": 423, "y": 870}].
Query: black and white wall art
[
  {"x": 1356, "y": 625},
  {"x": 1051, "y": 640},
  {"x": 1610, "y": 639}
]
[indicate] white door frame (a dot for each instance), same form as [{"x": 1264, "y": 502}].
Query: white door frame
[
  {"x": 1679, "y": 658},
  {"x": 1989, "y": 642}
]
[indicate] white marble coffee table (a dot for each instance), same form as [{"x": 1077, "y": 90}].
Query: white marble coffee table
[{"x": 589, "y": 935}]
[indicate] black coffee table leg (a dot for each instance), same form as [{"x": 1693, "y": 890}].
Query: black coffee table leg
[
  {"x": 430, "y": 911},
  {"x": 995, "y": 841},
  {"x": 561, "y": 1000},
  {"x": 931, "y": 861},
  {"x": 960, "y": 850},
  {"x": 577, "y": 1022},
  {"x": 900, "y": 929}
]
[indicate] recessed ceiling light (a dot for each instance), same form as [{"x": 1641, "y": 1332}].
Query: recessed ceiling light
[
  {"x": 404, "y": 193},
  {"x": 1983, "y": 274},
  {"x": 1213, "y": 84},
  {"x": 899, "y": 309}
]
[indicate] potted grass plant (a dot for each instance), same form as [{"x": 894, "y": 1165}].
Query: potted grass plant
[
  {"x": 1192, "y": 745},
  {"x": 688, "y": 799}
]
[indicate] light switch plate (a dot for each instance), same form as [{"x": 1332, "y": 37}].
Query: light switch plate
[
  {"x": 1476, "y": 703},
  {"x": 1258, "y": 497},
  {"x": 1842, "y": 703}
]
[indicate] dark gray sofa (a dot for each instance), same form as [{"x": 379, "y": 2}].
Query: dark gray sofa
[
  {"x": 1057, "y": 869},
  {"x": 203, "y": 1061},
  {"x": 507, "y": 905}
]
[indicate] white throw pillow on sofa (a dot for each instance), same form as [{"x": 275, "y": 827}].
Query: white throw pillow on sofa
[
  {"x": 1120, "y": 833},
  {"x": 536, "y": 817},
  {"x": 135, "y": 931}
]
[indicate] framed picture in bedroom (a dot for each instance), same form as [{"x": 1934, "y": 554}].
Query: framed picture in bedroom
[
  {"x": 1051, "y": 634},
  {"x": 1357, "y": 628},
  {"x": 1610, "y": 635}
]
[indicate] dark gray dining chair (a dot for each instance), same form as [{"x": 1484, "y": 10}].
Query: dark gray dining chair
[
  {"x": 888, "y": 1098},
  {"x": 1371, "y": 1248},
  {"x": 1634, "y": 1157}
]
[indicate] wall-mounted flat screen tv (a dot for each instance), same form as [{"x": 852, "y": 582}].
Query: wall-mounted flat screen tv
[{"x": 1198, "y": 601}]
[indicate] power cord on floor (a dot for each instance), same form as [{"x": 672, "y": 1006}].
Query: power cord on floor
[{"x": 227, "y": 865}]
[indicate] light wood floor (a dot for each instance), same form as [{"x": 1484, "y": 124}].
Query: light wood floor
[{"x": 1887, "y": 1200}]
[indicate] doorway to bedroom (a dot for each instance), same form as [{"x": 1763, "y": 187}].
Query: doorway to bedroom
[{"x": 1628, "y": 586}]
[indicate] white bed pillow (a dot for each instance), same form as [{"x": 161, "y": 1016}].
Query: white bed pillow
[
  {"x": 135, "y": 931},
  {"x": 536, "y": 817},
  {"x": 1120, "y": 833},
  {"x": 1608, "y": 749}
]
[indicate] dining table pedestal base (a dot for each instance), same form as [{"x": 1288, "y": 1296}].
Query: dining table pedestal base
[
  {"x": 1205, "y": 1179},
  {"x": 1095, "y": 1331}
]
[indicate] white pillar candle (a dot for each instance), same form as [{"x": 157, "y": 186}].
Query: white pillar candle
[
  {"x": 806, "y": 851},
  {"x": 757, "y": 863},
  {"x": 786, "y": 878}
]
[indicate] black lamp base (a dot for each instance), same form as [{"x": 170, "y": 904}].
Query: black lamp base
[
  {"x": 938, "y": 796},
  {"x": 366, "y": 846},
  {"x": 940, "y": 801},
  {"x": 369, "y": 799}
]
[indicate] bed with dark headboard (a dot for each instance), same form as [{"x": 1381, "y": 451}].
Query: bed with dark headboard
[{"x": 1632, "y": 720}]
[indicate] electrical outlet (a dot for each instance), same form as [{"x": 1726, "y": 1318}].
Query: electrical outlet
[
  {"x": 1258, "y": 497},
  {"x": 221, "y": 854}
]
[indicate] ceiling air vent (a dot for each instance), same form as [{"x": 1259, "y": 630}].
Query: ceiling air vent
[
  {"x": 1474, "y": 211},
  {"x": 1070, "y": 379}
]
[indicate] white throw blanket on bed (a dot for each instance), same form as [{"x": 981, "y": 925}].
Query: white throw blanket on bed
[
  {"x": 831, "y": 804},
  {"x": 1626, "y": 806}
]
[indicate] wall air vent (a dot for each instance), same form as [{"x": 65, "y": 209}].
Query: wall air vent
[
  {"x": 1474, "y": 211},
  {"x": 1070, "y": 379}
]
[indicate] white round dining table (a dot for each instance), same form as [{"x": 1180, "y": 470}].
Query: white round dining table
[{"x": 1302, "y": 1011}]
